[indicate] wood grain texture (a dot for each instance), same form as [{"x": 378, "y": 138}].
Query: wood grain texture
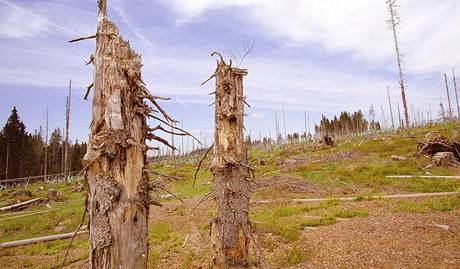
[{"x": 230, "y": 226}]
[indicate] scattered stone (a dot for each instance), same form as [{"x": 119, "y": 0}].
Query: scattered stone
[
  {"x": 444, "y": 227},
  {"x": 398, "y": 158}
]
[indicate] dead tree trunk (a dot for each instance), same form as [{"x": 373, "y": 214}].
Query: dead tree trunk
[
  {"x": 230, "y": 226},
  {"x": 115, "y": 157},
  {"x": 448, "y": 96},
  {"x": 456, "y": 94},
  {"x": 391, "y": 109},
  {"x": 66, "y": 141},
  {"x": 115, "y": 161},
  {"x": 394, "y": 21}
]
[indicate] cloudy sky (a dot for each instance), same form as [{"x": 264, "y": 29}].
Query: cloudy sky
[{"x": 322, "y": 56}]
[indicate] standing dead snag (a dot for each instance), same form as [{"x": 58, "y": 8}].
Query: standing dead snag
[
  {"x": 230, "y": 226},
  {"x": 115, "y": 161},
  {"x": 393, "y": 23}
]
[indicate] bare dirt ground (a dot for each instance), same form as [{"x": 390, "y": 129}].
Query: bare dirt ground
[{"x": 384, "y": 239}]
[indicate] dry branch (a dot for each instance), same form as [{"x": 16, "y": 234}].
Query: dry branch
[
  {"x": 87, "y": 91},
  {"x": 82, "y": 38},
  {"x": 174, "y": 127},
  {"x": 76, "y": 231},
  {"x": 199, "y": 164},
  {"x": 151, "y": 136}
]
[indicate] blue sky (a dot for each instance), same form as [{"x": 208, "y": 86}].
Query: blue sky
[{"x": 320, "y": 56}]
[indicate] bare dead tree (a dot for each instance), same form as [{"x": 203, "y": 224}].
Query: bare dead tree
[
  {"x": 116, "y": 162},
  {"x": 46, "y": 145},
  {"x": 284, "y": 122},
  {"x": 394, "y": 21},
  {"x": 230, "y": 231},
  {"x": 401, "y": 124},
  {"x": 391, "y": 109},
  {"x": 66, "y": 140},
  {"x": 277, "y": 129},
  {"x": 448, "y": 97},
  {"x": 456, "y": 94}
]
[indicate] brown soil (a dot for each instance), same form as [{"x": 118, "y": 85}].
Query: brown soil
[
  {"x": 402, "y": 240},
  {"x": 384, "y": 239}
]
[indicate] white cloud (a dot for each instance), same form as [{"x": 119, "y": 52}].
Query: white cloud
[
  {"x": 429, "y": 34},
  {"x": 41, "y": 18},
  {"x": 18, "y": 22}
]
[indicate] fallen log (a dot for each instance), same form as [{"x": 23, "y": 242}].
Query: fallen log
[
  {"x": 414, "y": 176},
  {"x": 6, "y": 208},
  {"x": 355, "y": 198},
  {"x": 391, "y": 196},
  {"x": 29, "y": 214},
  {"x": 39, "y": 239}
]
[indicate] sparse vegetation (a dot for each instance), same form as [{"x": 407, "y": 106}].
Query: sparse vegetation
[
  {"x": 286, "y": 223},
  {"x": 433, "y": 204}
]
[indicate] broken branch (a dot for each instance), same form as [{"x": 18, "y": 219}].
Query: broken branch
[
  {"x": 87, "y": 90},
  {"x": 82, "y": 38},
  {"x": 199, "y": 164}
]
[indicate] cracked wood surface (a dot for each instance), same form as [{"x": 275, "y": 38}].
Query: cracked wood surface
[
  {"x": 230, "y": 226},
  {"x": 116, "y": 155}
]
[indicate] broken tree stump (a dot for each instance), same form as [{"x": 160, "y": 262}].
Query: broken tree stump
[
  {"x": 230, "y": 226},
  {"x": 116, "y": 162},
  {"x": 444, "y": 159},
  {"x": 52, "y": 194},
  {"x": 327, "y": 140}
]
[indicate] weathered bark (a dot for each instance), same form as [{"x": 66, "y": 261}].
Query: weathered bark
[
  {"x": 230, "y": 226},
  {"x": 116, "y": 155}
]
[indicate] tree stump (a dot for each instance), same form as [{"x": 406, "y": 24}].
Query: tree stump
[
  {"x": 230, "y": 226},
  {"x": 52, "y": 194}
]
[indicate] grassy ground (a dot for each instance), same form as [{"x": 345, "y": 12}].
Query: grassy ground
[{"x": 356, "y": 166}]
